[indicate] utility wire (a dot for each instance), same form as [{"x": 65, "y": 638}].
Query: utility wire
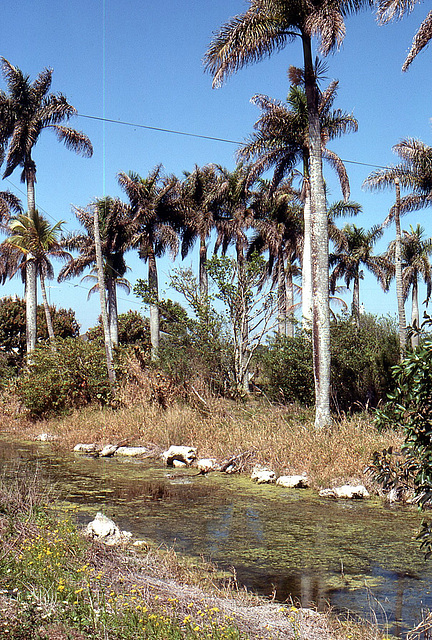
[{"x": 198, "y": 135}]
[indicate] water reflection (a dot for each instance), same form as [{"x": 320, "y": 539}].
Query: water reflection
[{"x": 358, "y": 556}]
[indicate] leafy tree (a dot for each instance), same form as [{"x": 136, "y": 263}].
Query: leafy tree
[
  {"x": 409, "y": 408},
  {"x": 133, "y": 329},
  {"x": 13, "y": 326},
  {"x": 25, "y": 111},
  {"x": 267, "y": 26}
]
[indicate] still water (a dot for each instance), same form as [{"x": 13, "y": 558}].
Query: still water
[{"x": 354, "y": 555}]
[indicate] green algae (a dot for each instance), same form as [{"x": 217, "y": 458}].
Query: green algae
[{"x": 291, "y": 543}]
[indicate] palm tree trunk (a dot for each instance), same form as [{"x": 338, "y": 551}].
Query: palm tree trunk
[
  {"x": 154, "y": 308},
  {"x": 47, "y": 313},
  {"x": 203, "y": 277},
  {"x": 289, "y": 305},
  {"x": 398, "y": 273},
  {"x": 319, "y": 250},
  {"x": 306, "y": 261},
  {"x": 355, "y": 307},
  {"x": 112, "y": 310},
  {"x": 31, "y": 279},
  {"x": 415, "y": 316},
  {"x": 281, "y": 299},
  {"x": 101, "y": 286}
]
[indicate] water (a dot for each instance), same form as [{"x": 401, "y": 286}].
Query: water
[{"x": 354, "y": 555}]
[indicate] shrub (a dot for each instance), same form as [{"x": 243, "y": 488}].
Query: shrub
[
  {"x": 362, "y": 358},
  {"x": 56, "y": 382}
]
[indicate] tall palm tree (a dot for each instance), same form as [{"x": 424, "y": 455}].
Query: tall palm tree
[
  {"x": 36, "y": 240},
  {"x": 116, "y": 236},
  {"x": 232, "y": 198},
  {"x": 395, "y": 9},
  {"x": 27, "y": 109},
  {"x": 416, "y": 251},
  {"x": 414, "y": 173},
  {"x": 156, "y": 225},
  {"x": 354, "y": 250},
  {"x": 197, "y": 191},
  {"x": 279, "y": 230},
  {"x": 282, "y": 141},
  {"x": 267, "y": 26}
]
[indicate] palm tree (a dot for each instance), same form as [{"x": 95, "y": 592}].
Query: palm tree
[
  {"x": 267, "y": 26},
  {"x": 197, "y": 192},
  {"x": 25, "y": 111},
  {"x": 156, "y": 223},
  {"x": 416, "y": 251},
  {"x": 281, "y": 141},
  {"x": 36, "y": 240},
  {"x": 354, "y": 249},
  {"x": 413, "y": 173},
  {"x": 394, "y": 9},
  {"x": 279, "y": 230},
  {"x": 116, "y": 236}
]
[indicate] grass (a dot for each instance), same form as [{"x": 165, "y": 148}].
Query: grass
[{"x": 57, "y": 585}]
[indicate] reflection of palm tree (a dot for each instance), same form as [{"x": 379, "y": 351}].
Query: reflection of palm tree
[
  {"x": 37, "y": 241},
  {"x": 155, "y": 223},
  {"x": 26, "y": 111},
  {"x": 115, "y": 230},
  {"x": 416, "y": 251},
  {"x": 392, "y": 9},
  {"x": 354, "y": 249},
  {"x": 267, "y": 26},
  {"x": 282, "y": 141}
]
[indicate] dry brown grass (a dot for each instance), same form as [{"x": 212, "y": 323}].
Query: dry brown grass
[{"x": 281, "y": 437}]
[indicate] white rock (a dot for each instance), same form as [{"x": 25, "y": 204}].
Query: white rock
[
  {"x": 131, "y": 451},
  {"x": 293, "y": 482},
  {"x": 262, "y": 475},
  {"x": 86, "y": 448},
  {"x": 347, "y": 492},
  {"x": 108, "y": 451},
  {"x": 179, "y": 464},
  {"x": 206, "y": 464},
  {"x": 183, "y": 454},
  {"x": 102, "y": 527},
  {"x": 46, "y": 437}
]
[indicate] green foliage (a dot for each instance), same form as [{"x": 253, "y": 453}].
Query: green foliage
[
  {"x": 56, "y": 382},
  {"x": 409, "y": 408},
  {"x": 362, "y": 358},
  {"x": 13, "y": 327},
  {"x": 133, "y": 329}
]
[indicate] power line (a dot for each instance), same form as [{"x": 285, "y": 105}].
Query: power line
[{"x": 198, "y": 135}]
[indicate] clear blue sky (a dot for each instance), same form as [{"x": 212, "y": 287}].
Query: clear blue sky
[{"x": 141, "y": 62}]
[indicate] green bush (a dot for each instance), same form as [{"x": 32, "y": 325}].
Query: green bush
[
  {"x": 362, "y": 358},
  {"x": 56, "y": 382}
]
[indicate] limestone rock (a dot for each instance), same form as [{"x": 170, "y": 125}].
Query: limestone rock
[
  {"x": 131, "y": 451},
  {"x": 106, "y": 530},
  {"x": 293, "y": 482},
  {"x": 205, "y": 465},
  {"x": 46, "y": 437},
  {"x": 263, "y": 475},
  {"x": 86, "y": 448},
  {"x": 347, "y": 492},
  {"x": 183, "y": 454},
  {"x": 179, "y": 464},
  {"x": 108, "y": 450}
]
